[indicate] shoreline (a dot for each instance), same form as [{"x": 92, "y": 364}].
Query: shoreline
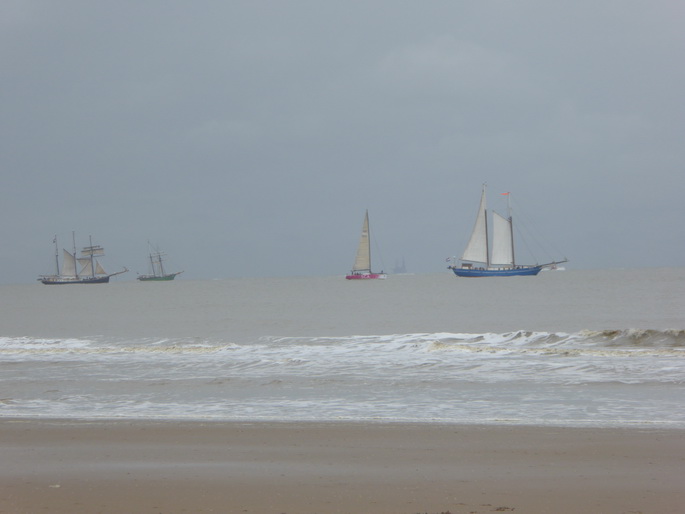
[
  {"x": 63, "y": 465},
  {"x": 367, "y": 422}
]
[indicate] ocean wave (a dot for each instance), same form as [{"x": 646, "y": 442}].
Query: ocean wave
[
  {"x": 597, "y": 376},
  {"x": 634, "y": 337},
  {"x": 585, "y": 342}
]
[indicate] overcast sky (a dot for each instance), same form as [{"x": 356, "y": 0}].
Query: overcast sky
[{"x": 246, "y": 138}]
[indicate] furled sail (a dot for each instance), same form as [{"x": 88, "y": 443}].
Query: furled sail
[
  {"x": 502, "y": 251},
  {"x": 156, "y": 262},
  {"x": 363, "y": 259},
  {"x": 95, "y": 251},
  {"x": 477, "y": 247}
]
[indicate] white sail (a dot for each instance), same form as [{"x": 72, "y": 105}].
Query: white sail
[
  {"x": 99, "y": 269},
  {"x": 363, "y": 259},
  {"x": 95, "y": 251},
  {"x": 68, "y": 264},
  {"x": 86, "y": 267},
  {"x": 502, "y": 251},
  {"x": 477, "y": 248}
]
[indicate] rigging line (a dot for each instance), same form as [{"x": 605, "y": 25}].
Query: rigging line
[
  {"x": 523, "y": 239},
  {"x": 532, "y": 230},
  {"x": 378, "y": 252}
]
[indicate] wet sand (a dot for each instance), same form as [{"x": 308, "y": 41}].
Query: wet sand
[{"x": 301, "y": 468}]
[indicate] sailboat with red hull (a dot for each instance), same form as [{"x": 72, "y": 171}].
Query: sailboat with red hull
[{"x": 362, "y": 263}]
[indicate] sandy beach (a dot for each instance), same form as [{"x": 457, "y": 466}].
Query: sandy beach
[{"x": 301, "y": 468}]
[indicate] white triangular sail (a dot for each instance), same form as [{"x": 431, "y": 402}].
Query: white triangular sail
[
  {"x": 363, "y": 260},
  {"x": 99, "y": 269},
  {"x": 477, "y": 247},
  {"x": 86, "y": 266},
  {"x": 502, "y": 250},
  {"x": 68, "y": 264}
]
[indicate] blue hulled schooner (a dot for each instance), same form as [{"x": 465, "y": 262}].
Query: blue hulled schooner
[{"x": 493, "y": 256}]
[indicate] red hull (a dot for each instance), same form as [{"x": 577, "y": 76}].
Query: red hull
[{"x": 366, "y": 276}]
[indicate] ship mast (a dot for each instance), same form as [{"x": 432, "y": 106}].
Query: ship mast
[
  {"x": 369, "y": 233},
  {"x": 511, "y": 229},
  {"x": 92, "y": 268},
  {"x": 152, "y": 260},
  {"x": 161, "y": 266},
  {"x": 487, "y": 242},
  {"x": 56, "y": 255},
  {"x": 73, "y": 241}
]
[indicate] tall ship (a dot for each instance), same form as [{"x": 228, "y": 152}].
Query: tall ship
[
  {"x": 158, "y": 273},
  {"x": 493, "y": 255},
  {"x": 85, "y": 269},
  {"x": 362, "y": 263}
]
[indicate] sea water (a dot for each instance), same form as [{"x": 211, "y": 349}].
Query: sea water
[{"x": 565, "y": 348}]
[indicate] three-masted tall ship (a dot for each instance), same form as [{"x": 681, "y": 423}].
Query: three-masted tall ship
[
  {"x": 487, "y": 256},
  {"x": 90, "y": 272}
]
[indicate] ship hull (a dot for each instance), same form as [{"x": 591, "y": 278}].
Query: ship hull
[
  {"x": 521, "y": 271},
  {"x": 159, "y": 278},
  {"x": 366, "y": 276},
  {"x": 56, "y": 281}
]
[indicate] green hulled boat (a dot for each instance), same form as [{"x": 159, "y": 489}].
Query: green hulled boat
[{"x": 158, "y": 273}]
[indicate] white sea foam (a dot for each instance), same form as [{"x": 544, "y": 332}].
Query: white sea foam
[
  {"x": 344, "y": 352},
  {"x": 446, "y": 377}
]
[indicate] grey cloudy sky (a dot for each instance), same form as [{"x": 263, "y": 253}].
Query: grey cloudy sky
[{"x": 246, "y": 138}]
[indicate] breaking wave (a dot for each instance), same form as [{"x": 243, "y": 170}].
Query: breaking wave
[
  {"x": 617, "y": 342},
  {"x": 592, "y": 377}
]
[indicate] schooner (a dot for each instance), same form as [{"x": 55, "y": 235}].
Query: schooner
[{"x": 480, "y": 259}]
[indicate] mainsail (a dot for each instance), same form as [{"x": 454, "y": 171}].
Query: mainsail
[
  {"x": 502, "y": 242},
  {"x": 68, "y": 264},
  {"x": 363, "y": 260},
  {"x": 477, "y": 248}
]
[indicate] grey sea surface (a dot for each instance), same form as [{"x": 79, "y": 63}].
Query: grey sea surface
[{"x": 576, "y": 347}]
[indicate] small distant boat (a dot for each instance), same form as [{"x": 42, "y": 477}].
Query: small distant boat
[
  {"x": 400, "y": 267},
  {"x": 91, "y": 271},
  {"x": 362, "y": 264},
  {"x": 158, "y": 273},
  {"x": 479, "y": 260}
]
